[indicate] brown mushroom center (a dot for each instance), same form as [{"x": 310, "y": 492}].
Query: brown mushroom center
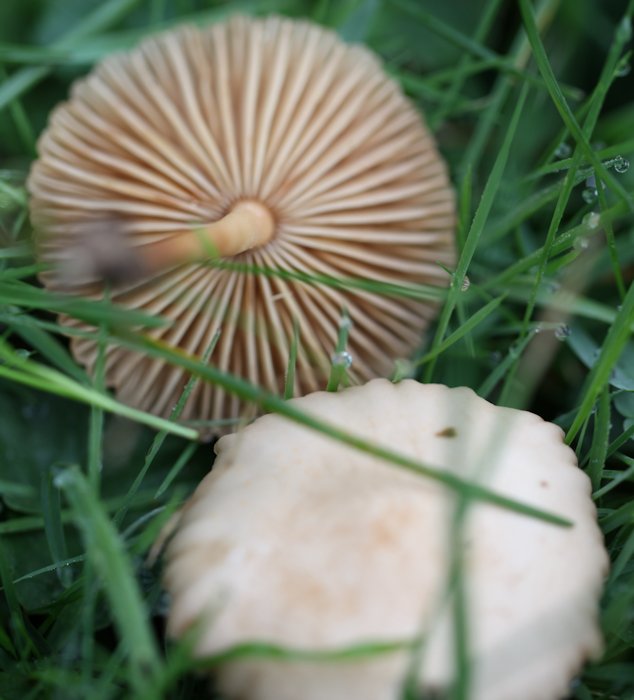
[{"x": 249, "y": 224}]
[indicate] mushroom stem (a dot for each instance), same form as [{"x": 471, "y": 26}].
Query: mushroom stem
[{"x": 247, "y": 225}]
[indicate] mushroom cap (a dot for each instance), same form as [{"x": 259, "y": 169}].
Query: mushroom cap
[
  {"x": 173, "y": 135},
  {"x": 297, "y": 540}
]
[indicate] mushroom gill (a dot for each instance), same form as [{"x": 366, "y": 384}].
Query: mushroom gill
[{"x": 268, "y": 143}]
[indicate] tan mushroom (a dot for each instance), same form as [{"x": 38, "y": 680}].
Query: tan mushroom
[
  {"x": 296, "y": 540},
  {"x": 268, "y": 141}
]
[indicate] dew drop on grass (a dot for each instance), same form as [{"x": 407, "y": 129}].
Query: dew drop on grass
[
  {"x": 563, "y": 150},
  {"x": 581, "y": 244},
  {"x": 466, "y": 283},
  {"x": 591, "y": 220},
  {"x": 623, "y": 70},
  {"x": 342, "y": 359},
  {"x": 345, "y": 323},
  {"x": 621, "y": 165},
  {"x": 562, "y": 332},
  {"x": 61, "y": 479},
  {"x": 589, "y": 195},
  {"x": 515, "y": 351}
]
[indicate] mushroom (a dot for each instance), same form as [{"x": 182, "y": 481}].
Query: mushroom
[
  {"x": 268, "y": 143},
  {"x": 297, "y": 540}
]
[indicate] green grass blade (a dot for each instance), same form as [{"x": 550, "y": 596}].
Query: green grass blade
[
  {"x": 477, "y": 227},
  {"x": 53, "y": 527},
  {"x": 107, "y": 554},
  {"x": 561, "y": 104},
  {"x": 27, "y": 372},
  {"x": 158, "y": 441},
  {"x": 341, "y": 358},
  {"x": 615, "y": 341},
  {"x": 289, "y": 380},
  {"x": 600, "y": 438},
  {"x": 463, "y": 330}
]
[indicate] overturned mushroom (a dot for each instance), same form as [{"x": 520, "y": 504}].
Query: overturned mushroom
[
  {"x": 268, "y": 141},
  {"x": 299, "y": 541}
]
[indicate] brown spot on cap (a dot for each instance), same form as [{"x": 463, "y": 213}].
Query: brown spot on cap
[{"x": 449, "y": 432}]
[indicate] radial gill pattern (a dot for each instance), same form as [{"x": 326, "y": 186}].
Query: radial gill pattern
[{"x": 168, "y": 138}]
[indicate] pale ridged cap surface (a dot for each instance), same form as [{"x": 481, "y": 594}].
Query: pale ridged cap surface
[
  {"x": 170, "y": 136},
  {"x": 296, "y": 540}
]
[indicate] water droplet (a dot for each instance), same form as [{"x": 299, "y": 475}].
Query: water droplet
[
  {"x": 621, "y": 165},
  {"x": 552, "y": 286},
  {"x": 581, "y": 244},
  {"x": 563, "y": 150},
  {"x": 562, "y": 332},
  {"x": 623, "y": 69},
  {"x": 61, "y": 479},
  {"x": 515, "y": 351},
  {"x": 466, "y": 283},
  {"x": 589, "y": 195},
  {"x": 342, "y": 359},
  {"x": 495, "y": 358},
  {"x": 591, "y": 220},
  {"x": 345, "y": 323},
  {"x": 537, "y": 328}
]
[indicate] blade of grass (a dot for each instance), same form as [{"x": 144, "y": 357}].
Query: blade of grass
[
  {"x": 32, "y": 374},
  {"x": 95, "y": 427},
  {"x": 564, "y": 242},
  {"x": 179, "y": 464},
  {"x": 18, "y": 293},
  {"x": 625, "y": 475},
  {"x": 107, "y": 554},
  {"x": 459, "y": 75},
  {"x": 510, "y": 395},
  {"x": 559, "y": 100},
  {"x": 158, "y": 441},
  {"x": 21, "y": 639},
  {"x": 53, "y": 528},
  {"x": 462, "y": 331},
  {"x": 105, "y": 15},
  {"x": 518, "y": 55},
  {"x": 468, "y": 45},
  {"x": 475, "y": 232},
  {"x": 600, "y": 438},
  {"x": 341, "y": 358},
  {"x": 31, "y": 330},
  {"x": 289, "y": 381},
  {"x": 615, "y": 340}
]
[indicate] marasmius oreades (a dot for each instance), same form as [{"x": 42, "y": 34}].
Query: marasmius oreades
[{"x": 271, "y": 144}]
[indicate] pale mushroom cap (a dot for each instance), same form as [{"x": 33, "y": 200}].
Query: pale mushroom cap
[
  {"x": 171, "y": 136},
  {"x": 297, "y": 540}
]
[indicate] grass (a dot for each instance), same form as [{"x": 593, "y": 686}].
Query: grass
[{"x": 532, "y": 106}]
